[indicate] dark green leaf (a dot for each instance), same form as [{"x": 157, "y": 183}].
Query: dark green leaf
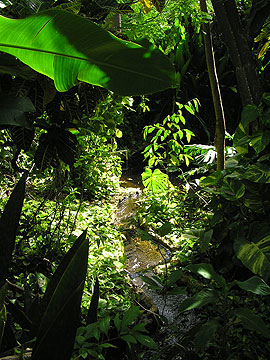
[
  {"x": 207, "y": 271},
  {"x": 165, "y": 229},
  {"x": 205, "y": 334},
  {"x": 9, "y": 223},
  {"x": 117, "y": 322},
  {"x": 202, "y": 298},
  {"x": 252, "y": 321},
  {"x": 56, "y": 142},
  {"x": 92, "y": 312},
  {"x": 62, "y": 300},
  {"x": 10, "y": 65},
  {"x": 232, "y": 189},
  {"x": 174, "y": 277},
  {"x": 139, "y": 327},
  {"x": 21, "y": 137},
  {"x": 19, "y": 316},
  {"x": 205, "y": 239},
  {"x": 177, "y": 290},
  {"x": 153, "y": 284},
  {"x": 258, "y": 173},
  {"x": 249, "y": 114},
  {"x": 255, "y": 285},
  {"x": 13, "y": 109},
  {"x": 104, "y": 324},
  {"x": 260, "y": 140},
  {"x": 129, "y": 317},
  {"x": 146, "y": 341},
  {"x": 129, "y": 339}
]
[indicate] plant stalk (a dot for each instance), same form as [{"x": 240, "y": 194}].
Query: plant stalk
[{"x": 215, "y": 89}]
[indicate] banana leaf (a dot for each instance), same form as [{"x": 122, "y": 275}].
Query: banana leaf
[{"x": 69, "y": 48}]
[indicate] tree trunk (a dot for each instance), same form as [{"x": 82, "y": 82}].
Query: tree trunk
[
  {"x": 215, "y": 89},
  {"x": 240, "y": 53}
]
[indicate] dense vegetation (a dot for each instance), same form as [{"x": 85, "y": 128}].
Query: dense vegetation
[{"x": 176, "y": 92}]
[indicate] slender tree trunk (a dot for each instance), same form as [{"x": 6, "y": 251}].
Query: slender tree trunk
[
  {"x": 240, "y": 53},
  {"x": 215, "y": 89}
]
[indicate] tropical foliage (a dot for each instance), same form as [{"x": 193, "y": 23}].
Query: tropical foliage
[{"x": 94, "y": 87}]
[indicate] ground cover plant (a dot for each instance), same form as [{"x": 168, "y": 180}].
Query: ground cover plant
[{"x": 74, "y": 77}]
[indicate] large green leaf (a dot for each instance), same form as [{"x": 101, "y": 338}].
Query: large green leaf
[
  {"x": 69, "y": 48},
  {"x": 258, "y": 173},
  {"x": 9, "y": 223},
  {"x": 207, "y": 271},
  {"x": 13, "y": 109},
  {"x": 129, "y": 317},
  {"x": 254, "y": 255},
  {"x": 155, "y": 181},
  {"x": 202, "y": 298},
  {"x": 205, "y": 334},
  {"x": 255, "y": 285},
  {"x": 57, "y": 331},
  {"x": 232, "y": 190},
  {"x": 252, "y": 321}
]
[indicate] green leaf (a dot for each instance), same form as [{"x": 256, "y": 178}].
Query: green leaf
[
  {"x": 189, "y": 109},
  {"x": 177, "y": 290},
  {"x": 153, "y": 284},
  {"x": 232, "y": 189},
  {"x": 139, "y": 327},
  {"x": 69, "y": 48},
  {"x": 165, "y": 229},
  {"x": 108, "y": 345},
  {"x": 9, "y": 223},
  {"x": 92, "y": 330},
  {"x": 205, "y": 334},
  {"x": 255, "y": 256},
  {"x": 146, "y": 341},
  {"x": 155, "y": 181},
  {"x": 189, "y": 134},
  {"x": 255, "y": 285},
  {"x": 259, "y": 173},
  {"x": 174, "y": 277},
  {"x": 260, "y": 140},
  {"x": 58, "y": 326},
  {"x": 129, "y": 339},
  {"x": 92, "y": 311},
  {"x": 117, "y": 322},
  {"x": 104, "y": 324},
  {"x": 205, "y": 239},
  {"x": 130, "y": 315},
  {"x": 13, "y": 109},
  {"x": 207, "y": 271},
  {"x": 211, "y": 180},
  {"x": 249, "y": 114},
  {"x": 202, "y": 298},
  {"x": 252, "y": 322}
]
